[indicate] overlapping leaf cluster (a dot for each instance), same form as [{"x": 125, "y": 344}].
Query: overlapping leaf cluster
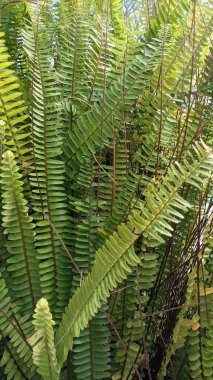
[{"x": 106, "y": 267}]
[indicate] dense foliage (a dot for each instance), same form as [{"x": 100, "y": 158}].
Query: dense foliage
[{"x": 106, "y": 263}]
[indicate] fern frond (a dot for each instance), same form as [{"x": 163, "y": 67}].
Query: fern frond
[
  {"x": 194, "y": 355},
  {"x": 11, "y": 21},
  {"x": 208, "y": 252},
  {"x": 46, "y": 178},
  {"x": 19, "y": 229},
  {"x": 208, "y": 350},
  {"x": 12, "y": 108},
  {"x": 116, "y": 8},
  {"x": 206, "y": 307},
  {"x": 93, "y": 341},
  {"x": 44, "y": 353},
  {"x": 93, "y": 346},
  {"x": 74, "y": 42},
  {"x": 169, "y": 13}
]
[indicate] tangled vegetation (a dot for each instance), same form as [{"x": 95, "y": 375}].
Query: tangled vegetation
[{"x": 106, "y": 259}]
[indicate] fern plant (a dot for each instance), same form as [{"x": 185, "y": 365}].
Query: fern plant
[{"x": 106, "y": 268}]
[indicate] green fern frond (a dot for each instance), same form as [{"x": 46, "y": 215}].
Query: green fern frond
[
  {"x": 74, "y": 42},
  {"x": 12, "y": 108},
  {"x": 19, "y": 229},
  {"x": 208, "y": 249},
  {"x": 44, "y": 353},
  {"x": 93, "y": 341},
  {"x": 117, "y": 17},
  {"x": 169, "y": 13},
  {"x": 194, "y": 355},
  {"x": 93, "y": 346},
  {"x": 11, "y": 21},
  {"x": 46, "y": 178},
  {"x": 206, "y": 300},
  {"x": 207, "y": 353}
]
